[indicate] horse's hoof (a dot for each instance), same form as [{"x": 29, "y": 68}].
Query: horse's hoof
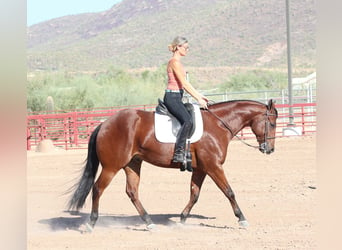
[
  {"x": 86, "y": 228},
  {"x": 151, "y": 227},
  {"x": 243, "y": 223}
]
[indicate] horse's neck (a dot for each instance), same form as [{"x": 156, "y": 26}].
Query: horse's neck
[{"x": 238, "y": 117}]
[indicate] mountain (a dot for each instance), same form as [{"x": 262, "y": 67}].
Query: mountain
[{"x": 135, "y": 34}]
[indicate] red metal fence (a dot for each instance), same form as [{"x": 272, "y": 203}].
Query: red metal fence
[{"x": 71, "y": 130}]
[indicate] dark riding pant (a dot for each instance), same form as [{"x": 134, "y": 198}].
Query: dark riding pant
[{"x": 173, "y": 102}]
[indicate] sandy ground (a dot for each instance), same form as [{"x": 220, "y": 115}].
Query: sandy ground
[{"x": 277, "y": 194}]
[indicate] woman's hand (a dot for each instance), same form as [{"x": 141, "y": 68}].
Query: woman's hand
[
  {"x": 203, "y": 102},
  {"x": 206, "y": 99}
]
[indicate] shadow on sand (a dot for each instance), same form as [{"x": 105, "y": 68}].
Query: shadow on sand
[{"x": 76, "y": 219}]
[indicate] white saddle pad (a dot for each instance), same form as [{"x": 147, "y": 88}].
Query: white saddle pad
[{"x": 164, "y": 130}]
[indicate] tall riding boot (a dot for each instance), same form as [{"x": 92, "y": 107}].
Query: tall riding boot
[{"x": 179, "y": 154}]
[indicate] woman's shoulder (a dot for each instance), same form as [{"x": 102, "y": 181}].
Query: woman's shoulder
[{"x": 174, "y": 62}]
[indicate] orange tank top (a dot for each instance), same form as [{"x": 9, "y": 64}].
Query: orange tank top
[{"x": 173, "y": 82}]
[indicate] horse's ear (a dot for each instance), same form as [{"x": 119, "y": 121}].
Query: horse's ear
[{"x": 270, "y": 104}]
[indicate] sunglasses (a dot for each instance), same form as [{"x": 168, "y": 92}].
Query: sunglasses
[{"x": 186, "y": 48}]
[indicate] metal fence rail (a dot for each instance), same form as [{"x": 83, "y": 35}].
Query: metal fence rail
[{"x": 71, "y": 130}]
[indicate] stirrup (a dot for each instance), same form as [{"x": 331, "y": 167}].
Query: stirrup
[
  {"x": 188, "y": 161},
  {"x": 178, "y": 157}
]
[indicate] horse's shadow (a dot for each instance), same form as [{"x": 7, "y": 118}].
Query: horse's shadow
[{"x": 123, "y": 221}]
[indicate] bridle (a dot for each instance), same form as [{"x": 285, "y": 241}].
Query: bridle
[
  {"x": 266, "y": 137},
  {"x": 263, "y": 146},
  {"x": 267, "y": 124}
]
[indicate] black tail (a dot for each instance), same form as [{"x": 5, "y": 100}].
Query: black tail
[{"x": 83, "y": 187}]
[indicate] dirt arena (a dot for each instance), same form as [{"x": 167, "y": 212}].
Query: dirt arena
[{"x": 277, "y": 194}]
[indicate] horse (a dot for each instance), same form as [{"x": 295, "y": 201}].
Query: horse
[{"x": 127, "y": 138}]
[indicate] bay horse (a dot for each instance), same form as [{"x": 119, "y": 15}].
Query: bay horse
[{"x": 127, "y": 138}]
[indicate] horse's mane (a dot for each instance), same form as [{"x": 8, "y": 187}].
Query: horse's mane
[
  {"x": 234, "y": 101},
  {"x": 241, "y": 100}
]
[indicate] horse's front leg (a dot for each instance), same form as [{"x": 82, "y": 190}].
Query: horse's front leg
[
  {"x": 218, "y": 176},
  {"x": 132, "y": 189},
  {"x": 197, "y": 179}
]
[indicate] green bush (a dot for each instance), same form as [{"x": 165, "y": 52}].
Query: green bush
[
  {"x": 115, "y": 87},
  {"x": 118, "y": 87},
  {"x": 255, "y": 80}
]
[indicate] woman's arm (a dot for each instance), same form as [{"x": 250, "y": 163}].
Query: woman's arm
[{"x": 176, "y": 67}]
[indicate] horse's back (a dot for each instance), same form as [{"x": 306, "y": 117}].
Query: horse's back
[
  {"x": 119, "y": 137},
  {"x": 124, "y": 125},
  {"x": 126, "y": 118}
]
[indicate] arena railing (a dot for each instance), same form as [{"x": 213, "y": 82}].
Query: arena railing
[{"x": 72, "y": 129}]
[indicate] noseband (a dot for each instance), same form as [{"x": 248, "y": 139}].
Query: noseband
[{"x": 267, "y": 124}]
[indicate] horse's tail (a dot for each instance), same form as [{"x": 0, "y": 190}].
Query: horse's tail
[{"x": 83, "y": 187}]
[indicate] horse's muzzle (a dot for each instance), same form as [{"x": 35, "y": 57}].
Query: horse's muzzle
[{"x": 265, "y": 148}]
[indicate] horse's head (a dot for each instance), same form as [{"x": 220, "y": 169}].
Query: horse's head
[{"x": 264, "y": 127}]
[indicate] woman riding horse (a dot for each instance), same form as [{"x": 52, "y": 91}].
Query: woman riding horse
[{"x": 177, "y": 83}]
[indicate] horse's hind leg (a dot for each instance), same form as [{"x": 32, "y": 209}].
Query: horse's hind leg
[
  {"x": 102, "y": 182},
  {"x": 132, "y": 189},
  {"x": 218, "y": 176},
  {"x": 197, "y": 179}
]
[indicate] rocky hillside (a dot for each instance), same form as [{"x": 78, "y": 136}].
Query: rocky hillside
[{"x": 135, "y": 34}]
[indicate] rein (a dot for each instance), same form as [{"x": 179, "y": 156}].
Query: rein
[{"x": 230, "y": 130}]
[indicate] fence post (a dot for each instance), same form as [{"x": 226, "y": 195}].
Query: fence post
[
  {"x": 74, "y": 117},
  {"x": 303, "y": 120},
  {"x": 42, "y": 129},
  {"x": 266, "y": 96},
  {"x": 66, "y": 129}
]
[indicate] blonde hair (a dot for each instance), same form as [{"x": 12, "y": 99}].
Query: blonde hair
[{"x": 177, "y": 42}]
